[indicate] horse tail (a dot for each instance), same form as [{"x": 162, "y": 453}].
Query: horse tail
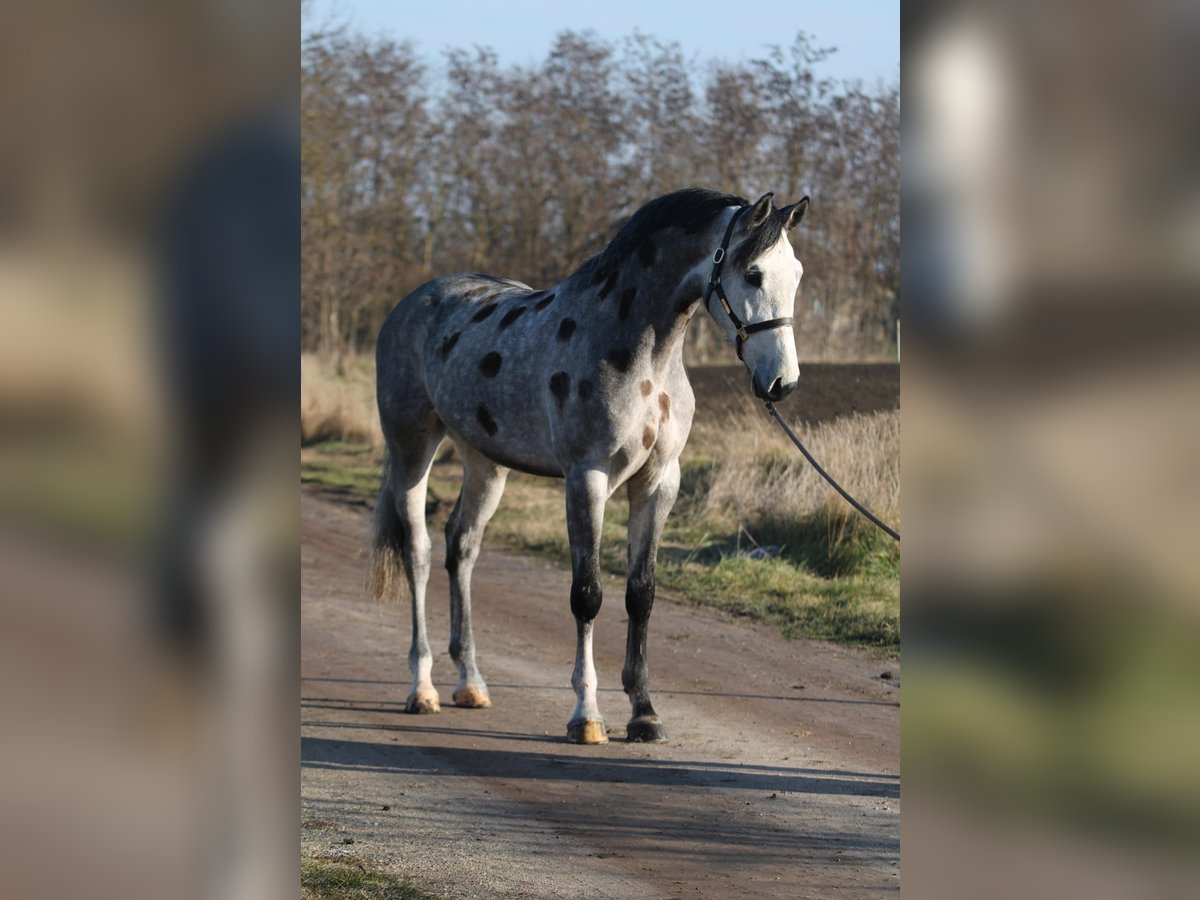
[{"x": 387, "y": 541}]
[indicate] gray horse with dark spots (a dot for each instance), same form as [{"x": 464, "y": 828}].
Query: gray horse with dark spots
[{"x": 583, "y": 381}]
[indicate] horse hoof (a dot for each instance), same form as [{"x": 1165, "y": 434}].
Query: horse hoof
[
  {"x": 645, "y": 730},
  {"x": 423, "y": 702},
  {"x": 471, "y": 697},
  {"x": 587, "y": 731}
]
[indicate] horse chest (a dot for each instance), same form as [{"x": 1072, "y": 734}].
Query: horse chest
[{"x": 650, "y": 436}]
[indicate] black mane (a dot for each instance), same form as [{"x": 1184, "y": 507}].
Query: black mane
[{"x": 692, "y": 209}]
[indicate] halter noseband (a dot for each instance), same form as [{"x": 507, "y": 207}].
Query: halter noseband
[{"x": 714, "y": 284}]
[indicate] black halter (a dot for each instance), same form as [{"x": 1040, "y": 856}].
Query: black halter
[{"x": 714, "y": 284}]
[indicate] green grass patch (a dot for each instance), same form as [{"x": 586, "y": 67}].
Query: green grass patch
[
  {"x": 352, "y": 879},
  {"x": 830, "y": 542},
  {"x": 350, "y": 469},
  {"x": 858, "y": 610}
]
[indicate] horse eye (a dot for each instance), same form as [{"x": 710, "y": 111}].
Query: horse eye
[{"x": 754, "y": 279}]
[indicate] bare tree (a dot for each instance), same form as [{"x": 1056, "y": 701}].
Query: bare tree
[{"x": 524, "y": 171}]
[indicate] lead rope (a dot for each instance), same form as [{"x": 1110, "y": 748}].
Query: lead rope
[{"x": 816, "y": 465}]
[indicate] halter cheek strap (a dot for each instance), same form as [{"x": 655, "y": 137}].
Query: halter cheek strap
[{"x": 743, "y": 329}]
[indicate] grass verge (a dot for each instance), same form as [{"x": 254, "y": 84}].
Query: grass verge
[{"x": 349, "y": 878}]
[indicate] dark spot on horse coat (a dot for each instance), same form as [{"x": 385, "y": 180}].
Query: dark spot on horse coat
[
  {"x": 598, "y": 276},
  {"x": 621, "y": 358},
  {"x": 647, "y": 387},
  {"x": 647, "y": 252},
  {"x": 486, "y": 420},
  {"x": 566, "y": 329},
  {"x": 627, "y": 297},
  {"x": 544, "y": 302},
  {"x": 490, "y": 364},
  {"x": 586, "y": 593},
  {"x": 648, "y": 436},
  {"x": 511, "y": 316},
  {"x": 585, "y": 389},
  {"x": 448, "y": 344},
  {"x": 609, "y": 284},
  {"x": 560, "y": 387},
  {"x": 664, "y": 406},
  {"x": 484, "y": 312}
]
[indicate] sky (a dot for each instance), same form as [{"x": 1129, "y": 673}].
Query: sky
[{"x": 866, "y": 33}]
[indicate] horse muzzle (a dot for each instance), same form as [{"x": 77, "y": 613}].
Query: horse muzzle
[{"x": 777, "y": 390}]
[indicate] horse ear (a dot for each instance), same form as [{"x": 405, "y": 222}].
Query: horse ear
[
  {"x": 795, "y": 213},
  {"x": 759, "y": 211}
]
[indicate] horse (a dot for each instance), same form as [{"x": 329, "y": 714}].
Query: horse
[{"x": 582, "y": 381}]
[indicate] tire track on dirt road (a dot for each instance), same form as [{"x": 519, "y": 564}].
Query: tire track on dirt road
[{"x": 781, "y": 777}]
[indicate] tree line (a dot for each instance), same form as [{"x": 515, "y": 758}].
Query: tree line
[{"x": 410, "y": 171}]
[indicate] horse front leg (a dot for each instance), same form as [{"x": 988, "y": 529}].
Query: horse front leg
[
  {"x": 587, "y": 491},
  {"x": 648, "y": 510}
]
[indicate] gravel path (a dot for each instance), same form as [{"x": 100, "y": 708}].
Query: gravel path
[{"x": 781, "y": 777}]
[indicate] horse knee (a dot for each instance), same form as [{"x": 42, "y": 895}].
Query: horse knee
[
  {"x": 586, "y": 595},
  {"x": 639, "y": 596}
]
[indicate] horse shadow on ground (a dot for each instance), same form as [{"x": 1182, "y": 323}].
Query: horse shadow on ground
[
  {"x": 755, "y": 814},
  {"x": 335, "y": 753}
]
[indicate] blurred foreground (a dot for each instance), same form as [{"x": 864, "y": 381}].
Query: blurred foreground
[
  {"x": 147, "y": 451},
  {"x": 149, "y": 273},
  {"x": 1051, "y": 375}
]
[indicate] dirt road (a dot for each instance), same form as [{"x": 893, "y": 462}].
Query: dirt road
[{"x": 781, "y": 777}]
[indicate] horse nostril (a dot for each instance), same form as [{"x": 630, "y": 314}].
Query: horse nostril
[{"x": 779, "y": 390}]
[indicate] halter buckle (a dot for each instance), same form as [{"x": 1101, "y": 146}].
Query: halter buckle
[{"x": 718, "y": 256}]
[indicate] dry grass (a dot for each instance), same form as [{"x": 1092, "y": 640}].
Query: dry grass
[
  {"x": 862, "y": 451},
  {"x": 338, "y": 407},
  {"x": 745, "y": 475}
]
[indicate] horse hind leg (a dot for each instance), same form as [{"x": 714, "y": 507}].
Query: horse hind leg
[
  {"x": 401, "y": 542},
  {"x": 483, "y": 485}
]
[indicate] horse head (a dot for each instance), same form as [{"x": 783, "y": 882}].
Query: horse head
[{"x": 755, "y": 277}]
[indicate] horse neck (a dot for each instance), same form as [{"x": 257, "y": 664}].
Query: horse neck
[{"x": 659, "y": 287}]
